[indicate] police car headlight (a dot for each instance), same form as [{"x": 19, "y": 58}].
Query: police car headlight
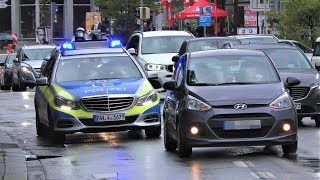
[
  {"x": 283, "y": 101},
  {"x": 26, "y": 69},
  {"x": 147, "y": 99},
  {"x": 154, "y": 67},
  {"x": 196, "y": 105},
  {"x": 66, "y": 104}
]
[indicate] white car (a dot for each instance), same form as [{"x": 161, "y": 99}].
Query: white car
[
  {"x": 257, "y": 39},
  {"x": 316, "y": 52},
  {"x": 154, "y": 51},
  {"x": 307, "y": 51}
]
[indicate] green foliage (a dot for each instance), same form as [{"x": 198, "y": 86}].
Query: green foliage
[
  {"x": 122, "y": 13},
  {"x": 300, "y": 20}
]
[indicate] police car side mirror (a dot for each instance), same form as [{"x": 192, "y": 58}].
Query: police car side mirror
[
  {"x": 170, "y": 85},
  {"x": 292, "y": 81},
  {"x": 15, "y": 60},
  {"x": 42, "y": 81},
  {"x": 175, "y": 58},
  {"x": 152, "y": 75},
  {"x": 132, "y": 51}
]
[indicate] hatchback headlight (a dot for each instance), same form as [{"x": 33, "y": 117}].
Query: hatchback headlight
[
  {"x": 154, "y": 67},
  {"x": 196, "y": 105},
  {"x": 66, "y": 104},
  {"x": 283, "y": 101},
  {"x": 26, "y": 69},
  {"x": 147, "y": 99}
]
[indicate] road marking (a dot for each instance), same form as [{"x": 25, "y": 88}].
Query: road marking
[
  {"x": 263, "y": 175},
  {"x": 107, "y": 176},
  {"x": 244, "y": 164}
]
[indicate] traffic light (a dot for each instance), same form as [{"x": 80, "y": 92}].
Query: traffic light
[{"x": 54, "y": 10}]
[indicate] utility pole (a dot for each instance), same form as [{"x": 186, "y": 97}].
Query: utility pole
[
  {"x": 265, "y": 17},
  {"x": 141, "y": 21}
]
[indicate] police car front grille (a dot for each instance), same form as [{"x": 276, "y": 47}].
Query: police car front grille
[{"x": 106, "y": 103}]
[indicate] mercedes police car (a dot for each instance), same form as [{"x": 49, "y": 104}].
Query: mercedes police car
[{"x": 88, "y": 88}]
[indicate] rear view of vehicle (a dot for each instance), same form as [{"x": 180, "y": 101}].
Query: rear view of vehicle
[
  {"x": 27, "y": 65},
  {"x": 228, "y": 98}
]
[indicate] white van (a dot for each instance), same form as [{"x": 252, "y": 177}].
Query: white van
[{"x": 316, "y": 52}]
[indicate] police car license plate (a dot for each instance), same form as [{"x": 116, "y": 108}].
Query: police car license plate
[
  {"x": 109, "y": 117},
  {"x": 243, "y": 124},
  {"x": 297, "y": 105}
]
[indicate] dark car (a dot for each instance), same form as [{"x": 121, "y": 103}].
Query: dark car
[
  {"x": 6, "y": 76},
  {"x": 291, "y": 61},
  {"x": 5, "y": 39},
  {"x": 28, "y": 64},
  {"x": 228, "y": 98},
  {"x": 307, "y": 51},
  {"x": 257, "y": 39}
]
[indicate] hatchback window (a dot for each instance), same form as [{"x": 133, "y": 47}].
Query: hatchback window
[
  {"x": 162, "y": 44},
  {"x": 36, "y": 54},
  {"x": 229, "y": 69},
  {"x": 95, "y": 68},
  {"x": 289, "y": 59}
]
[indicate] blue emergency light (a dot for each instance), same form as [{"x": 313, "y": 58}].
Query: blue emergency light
[
  {"x": 115, "y": 43},
  {"x": 67, "y": 46}
]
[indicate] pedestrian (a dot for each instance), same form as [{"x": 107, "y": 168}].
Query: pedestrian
[
  {"x": 145, "y": 27},
  {"x": 151, "y": 27},
  {"x": 9, "y": 49}
]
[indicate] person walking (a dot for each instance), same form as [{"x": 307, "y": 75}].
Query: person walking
[{"x": 151, "y": 27}]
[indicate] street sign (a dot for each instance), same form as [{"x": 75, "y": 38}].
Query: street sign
[
  {"x": 205, "y": 16},
  {"x": 260, "y": 5},
  {"x": 3, "y": 5},
  {"x": 246, "y": 30}
]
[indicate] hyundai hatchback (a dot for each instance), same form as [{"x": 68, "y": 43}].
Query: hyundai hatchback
[{"x": 228, "y": 98}]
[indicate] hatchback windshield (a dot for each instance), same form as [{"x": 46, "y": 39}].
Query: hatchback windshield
[
  {"x": 289, "y": 59},
  {"x": 36, "y": 54},
  {"x": 317, "y": 49},
  {"x": 95, "y": 68},
  {"x": 162, "y": 44},
  {"x": 224, "y": 70},
  {"x": 259, "y": 40}
]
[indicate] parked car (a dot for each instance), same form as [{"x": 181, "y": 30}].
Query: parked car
[
  {"x": 257, "y": 39},
  {"x": 291, "y": 61},
  {"x": 2, "y": 60},
  {"x": 27, "y": 65},
  {"x": 228, "y": 97},
  {"x": 5, "y": 39},
  {"x": 6, "y": 76},
  {"x": 154, "y": 50},
  {"x": 307, "y": 51},
  {"x": 316, "y": 52}
]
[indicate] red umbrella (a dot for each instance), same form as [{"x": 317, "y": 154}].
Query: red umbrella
[{"x": 193, "y": 11}]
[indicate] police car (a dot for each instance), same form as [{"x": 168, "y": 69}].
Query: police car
[{"x": 93, "y": 87}]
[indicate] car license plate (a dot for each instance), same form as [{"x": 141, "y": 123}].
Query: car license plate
[
  {"x": 243, "y": 124},
  {"x": 297, "y": 105},
  {"x": 109, "y": 117}
]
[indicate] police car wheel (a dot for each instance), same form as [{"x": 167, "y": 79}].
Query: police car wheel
[
  {"x": 317, "y": 121},
  {"x": 41, "y": 131},
  {"x": 183, "y": 149},
  {"x": 153, "y": 132},
  {"x": 21, "y": 86},
  {"x": 169, "y": 143},
  {"x": 55, "y": 137}
]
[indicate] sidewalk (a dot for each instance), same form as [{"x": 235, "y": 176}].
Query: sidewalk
[{"x": 12, "y": 160}]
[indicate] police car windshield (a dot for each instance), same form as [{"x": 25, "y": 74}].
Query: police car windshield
[
  {"x": 228, "y": 70},
  {"x": 162, "y": 44},
  {"x": 36, "y": 54},
  {"x": 95, "y": 68}
]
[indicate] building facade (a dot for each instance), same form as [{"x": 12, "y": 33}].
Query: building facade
[{"x": 24, "y": 16}]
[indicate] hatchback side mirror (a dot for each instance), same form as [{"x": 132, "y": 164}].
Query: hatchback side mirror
[
  {"x": 42, "y": 81},
  {"x": 317, "y": 65},
  {"x": 175, "y": 58},
  {"x": 170, "y": 85},
  {"x": 15, "y": 60},
  {"x": 292, "y": 81}
]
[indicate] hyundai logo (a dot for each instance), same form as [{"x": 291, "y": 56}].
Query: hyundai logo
[{"x": 240, "y": 106}]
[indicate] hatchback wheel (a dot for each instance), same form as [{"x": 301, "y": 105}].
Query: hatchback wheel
[
  {"x": 183, "y": 149},
  {"x": 169, "y": 143},
  {"x": 153, "y": 132},
  {"x": 15, "y": 87},
  {"x": 290, "y": 148},
  {"x": 317, "y": 120},
  {"x": 21, "y": 86}
]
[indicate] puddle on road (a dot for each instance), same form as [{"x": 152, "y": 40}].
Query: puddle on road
[{"x": 313, "y": 163}]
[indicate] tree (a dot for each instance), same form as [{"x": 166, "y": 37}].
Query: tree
[
  {"x": 122, "y": 13},
  {"x": 300, "y": 20}
]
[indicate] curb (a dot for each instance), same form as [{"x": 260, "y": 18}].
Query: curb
[{"x": 12, "y": 160}]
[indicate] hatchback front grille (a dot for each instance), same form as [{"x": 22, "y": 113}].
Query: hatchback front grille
[
  {"x": 106, "y": 103},
  {"x": 298, "y": 92}
]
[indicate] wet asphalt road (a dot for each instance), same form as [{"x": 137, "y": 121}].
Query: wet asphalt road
[{"x": 132, "y": 156}]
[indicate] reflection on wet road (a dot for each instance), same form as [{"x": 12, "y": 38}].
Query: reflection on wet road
[{"x": 130, "y": 155}]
